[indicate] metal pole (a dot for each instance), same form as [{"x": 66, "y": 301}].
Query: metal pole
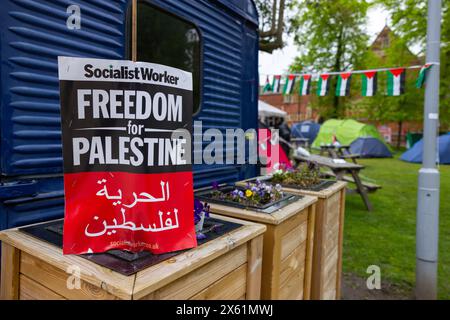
[{"x": 427, "y": 228}]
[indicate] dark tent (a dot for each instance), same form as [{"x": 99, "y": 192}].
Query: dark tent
[
  {"x": 368, "y": 147},
  {"x": 415, "y": 153},
  {"x": 305, "y": 129}
]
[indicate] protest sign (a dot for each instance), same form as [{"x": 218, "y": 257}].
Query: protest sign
[{"x": 127, "y": 182}]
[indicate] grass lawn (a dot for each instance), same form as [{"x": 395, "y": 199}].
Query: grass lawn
[{"x": 386, "y": 236}]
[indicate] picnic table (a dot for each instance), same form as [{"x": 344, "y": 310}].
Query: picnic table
[
  {"x": 339, "y": 170},
  {"x": 300, "y": 142},
  {"x": 339, "y": 152}
]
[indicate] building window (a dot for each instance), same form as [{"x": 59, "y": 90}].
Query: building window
[{"x": 166, "y": 39}]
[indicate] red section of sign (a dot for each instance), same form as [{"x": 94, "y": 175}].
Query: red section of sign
[{"x": 136, "y": 212}]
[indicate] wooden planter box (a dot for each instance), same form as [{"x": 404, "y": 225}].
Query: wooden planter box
[
  {"x": 287, "y": 250},
  {"x": 328, "y": 240},
  {"x": 228, "y": 267}
]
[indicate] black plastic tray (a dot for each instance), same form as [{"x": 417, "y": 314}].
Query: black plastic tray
[
  {"x": 206, "y": 196},
  {"x": 121, "y": 261},
  {"x": 322, "y": 185}
]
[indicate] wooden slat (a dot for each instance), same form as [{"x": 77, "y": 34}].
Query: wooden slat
[
  {"x": 293, "y": 239},
  {"x": 330, "y": 262},
  {"x": 92, "y": 273},
  {"x": 275, "y": 218},
  {"x": 201, "y": 278},
  {"x": 341, "y": 245},
  {"x": 162, "y": 274},
  {"x": 270, "y": 277},
  {"x": 31, "y": 290},
  {"x": 319, "y": 242},
  {"x": 292, "y": 263},
  {"x": 292, "y": 275},
  {"x": 56, "y": 280},
  {"x": 254, "y": 268},
  {"x": 230, "y": 287},
  {"x": 309, "y": 252},
  {"x": 9, "y": 280}
]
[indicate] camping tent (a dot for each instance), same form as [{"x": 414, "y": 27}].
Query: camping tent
[
  {"x": 305, "y": 129},
  {"x": 443, "y": 149},
  {"x": 346, "y": 132},
  {"x": 368, "y": 147}
]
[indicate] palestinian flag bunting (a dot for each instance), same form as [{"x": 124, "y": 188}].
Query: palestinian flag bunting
[
  {"x": 343, "y": 84},
  {"x": 305, "y": 84},
  {"x": 323, "y": 85},
  {"x": 289, "y": 85},
  {"x": 276, "y": 84},
  {"x": 267, "y": 86},
  {"x": 396, "y": 81},
  {"x": 422, "y": 76},
  {"x": 369, "y": 81}
]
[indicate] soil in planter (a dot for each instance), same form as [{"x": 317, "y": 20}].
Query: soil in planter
[
  {"x": 207, "y": 196},
  {"x": 121, "y": 261},
  {"x": 322, "y": 185}
]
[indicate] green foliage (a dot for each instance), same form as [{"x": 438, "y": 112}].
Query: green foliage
[
  {"x": 381, "y": 107},
  {"x": 409, "y": 18},
  {"x": 330, "y": 36},
  {"x": 302, "y": 176}
]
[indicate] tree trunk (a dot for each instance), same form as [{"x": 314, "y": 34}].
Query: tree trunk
[
  {"x": 399, "y": 134},
  {"x": 337, "y": 67}
]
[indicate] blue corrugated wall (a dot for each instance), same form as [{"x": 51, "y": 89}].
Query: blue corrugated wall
[{"x": 34, "y": 33}]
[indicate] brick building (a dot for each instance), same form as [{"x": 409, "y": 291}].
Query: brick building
[{"x": 296, "y": 106}]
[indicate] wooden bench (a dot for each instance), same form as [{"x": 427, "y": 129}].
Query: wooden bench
[
  {"x": 340, "y": 169},
  {"x": 370, "y": 187}
]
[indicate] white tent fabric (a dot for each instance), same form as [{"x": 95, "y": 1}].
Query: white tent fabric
[{"x": 266, "y": 110}]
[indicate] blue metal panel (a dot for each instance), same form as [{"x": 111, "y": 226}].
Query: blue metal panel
[
  {"x": 229, "y": 74},
  {"x": 34, "y": 33}
]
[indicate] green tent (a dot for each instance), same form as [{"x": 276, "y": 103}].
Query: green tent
[{"x": 346, "y": 132}]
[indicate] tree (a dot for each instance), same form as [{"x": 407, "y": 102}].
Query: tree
[
  {"x": 409, "y": 19},
  {"x": 383, "y": 108},
  {"x": 331, "y": 37},
  {"x": 271, "y": 24}
]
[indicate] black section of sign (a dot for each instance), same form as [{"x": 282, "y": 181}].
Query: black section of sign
[{"x": 111, "y": 137}]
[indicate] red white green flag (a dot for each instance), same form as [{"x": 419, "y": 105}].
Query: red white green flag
[
  {"x": 343, "y": 84},
  {"x": 276, "y": 84},
  {"x": 305, "y": 84},
  {"x": 267, "y": 86},
  {"x": 422, "y": 75},
  {"x": 323, "y": 85},
  {"x": 289, "y": 85},
  {"x": 396, "y": 81},
  {"x": 369, "y": 83}
]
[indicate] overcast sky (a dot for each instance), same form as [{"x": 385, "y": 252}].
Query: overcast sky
[{"x": 279, "y": 61}]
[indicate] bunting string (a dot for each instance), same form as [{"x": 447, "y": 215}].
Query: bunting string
[{"x": 396, "y": 78}]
